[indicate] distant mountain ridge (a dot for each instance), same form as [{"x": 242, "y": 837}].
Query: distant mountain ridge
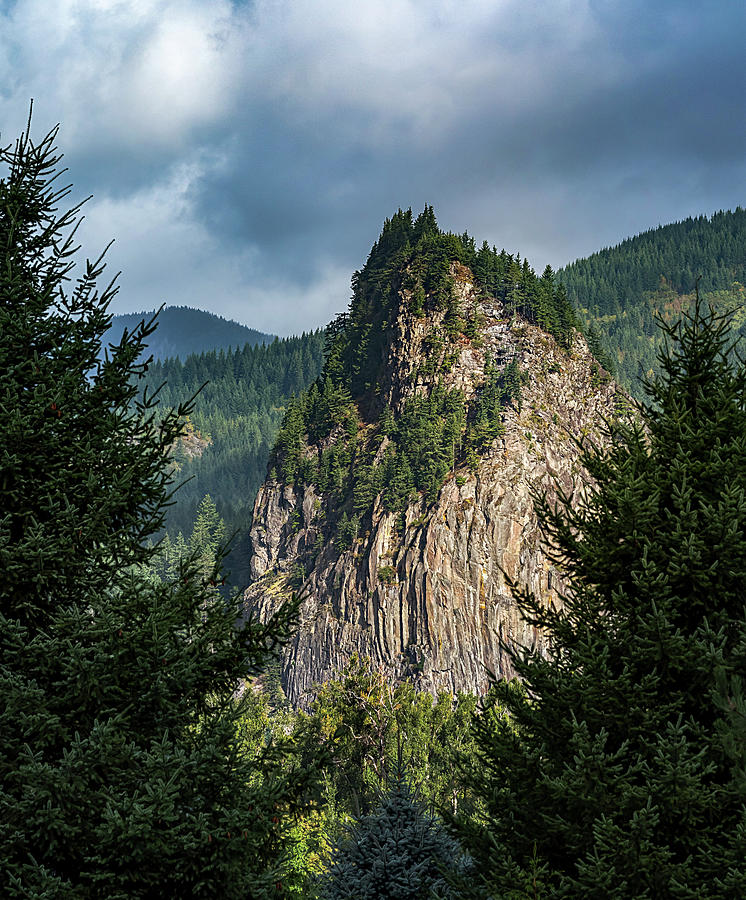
[
  {"x": 235, "y": 421},
  {"x": 183, "y": 331},
  {"x": 619, "y": 291}
]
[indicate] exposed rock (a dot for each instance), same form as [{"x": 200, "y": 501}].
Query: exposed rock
[
  {"x": 429, "y": 601},
  {"x": 192, "y": 443}
]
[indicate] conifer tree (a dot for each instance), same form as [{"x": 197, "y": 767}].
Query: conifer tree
[
  {"x": 121, "y": 771},
  {"x": 617, "y": 769},
  {"x": 208, "y": 534},
  {"x": 399, "y": 851}
]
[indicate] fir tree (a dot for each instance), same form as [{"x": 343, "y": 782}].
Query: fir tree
[
  {"x": 398, "y": 852},
  {"x": 616, "y": 770},
  {"x": 121, "y": 770},
  {"x": 208, "y": 534}
]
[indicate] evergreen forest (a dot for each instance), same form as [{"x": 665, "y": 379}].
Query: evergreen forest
[
  {"x": 240, "y": 398},
  {"x": 621, "y": 292},
  {"x": 183, "y": 331},
  {"x": 146, "y": 749},
  {"x": 414, "y": 256}
]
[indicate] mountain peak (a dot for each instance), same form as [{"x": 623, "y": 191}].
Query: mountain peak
[
  {"x": 413, "y": 268},
  {"x": 399, "y": 489},
  {"x": 183, "y": 331}
]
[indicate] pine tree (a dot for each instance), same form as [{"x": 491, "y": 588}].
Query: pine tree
[
  {"x": 121, "y": 770},
  {"x": 617, "y": 769},
  {"x": 208, "y": 534},
  {"x": 397, "y": 852}
]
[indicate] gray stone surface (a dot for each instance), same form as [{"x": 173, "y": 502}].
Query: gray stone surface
[{"x": 438, "y": 619}]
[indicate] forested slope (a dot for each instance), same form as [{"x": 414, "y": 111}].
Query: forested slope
[
  {"x": 183, "y": 330},
  {"x": 233, "y": 426},
  {"x": 619, "y": 290}
]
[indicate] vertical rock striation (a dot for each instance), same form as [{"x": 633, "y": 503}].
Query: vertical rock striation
[{"x": 423, "y": 592}]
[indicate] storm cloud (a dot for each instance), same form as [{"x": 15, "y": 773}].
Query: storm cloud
[{"x": 244, "y": 155}]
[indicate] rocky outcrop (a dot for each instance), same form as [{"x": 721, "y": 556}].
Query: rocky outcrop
[
  {"x": 426, "y": 598},
  {"x": 192, "y": 443}
]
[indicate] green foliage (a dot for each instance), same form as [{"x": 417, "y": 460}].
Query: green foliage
[
  {"x": 426, "y": 441},
  {"x": 365, "y": 724},
  {"x": 289, "y": 443},
  {"x": 204, "y": 547},
  {"x": 431, "y": 437},
  {"x": 208, "y": 533},
  {"x": 121, "y": 771},
  {"x": 410, "y": 255},
  {"x": 327, "y": 406},
  {"x": 245, "y": 395},
  {"x": 620, "y": 291},
  {"x": 396, "y": 852},
  {"x": 387, "y": 574},
  {"x": 597, "y": 348},
  {"x": 541, "y": 301},
  {"x": 501, "y": 387},
  {"x": 183, "y": 331},
  {"x": 618, "y": 770},
  {"x": 347, "y": 531},
  {"x": 679, "y": 252}
]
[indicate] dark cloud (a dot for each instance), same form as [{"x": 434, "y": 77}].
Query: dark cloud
[{"x": 245, "y": 155}]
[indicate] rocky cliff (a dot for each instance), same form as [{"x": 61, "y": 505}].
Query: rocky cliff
[{"x": 420, "y": 588}]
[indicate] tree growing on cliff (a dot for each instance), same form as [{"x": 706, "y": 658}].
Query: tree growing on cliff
[
  {"x": 121, "y": 767},
  {"x": 617, "y": 770}
]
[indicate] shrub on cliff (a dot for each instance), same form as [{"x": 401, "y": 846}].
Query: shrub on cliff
[
  {"x": 122, "y": 773},
  {"x": 617, "y": 771}
]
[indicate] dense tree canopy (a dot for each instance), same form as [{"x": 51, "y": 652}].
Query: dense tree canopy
[
  {"x": 415, "y": 256},
  {"x": 706, "y": 247},
  {"x": 369, "y": 725},
  {"x": 122, "y": 773},
  {"x": 234, "y": 423},
  {"x": 620, "y": 291}
]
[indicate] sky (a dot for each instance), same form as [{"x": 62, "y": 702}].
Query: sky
[{"x": 244, "y": 155}]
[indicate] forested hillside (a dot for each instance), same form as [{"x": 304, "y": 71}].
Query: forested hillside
[
  {"x": 411, "y": 264},
  {"x": 144, "y": 749},
  {"x": 183, "y": 330},
  {"x": 619, "y": 290},
  {"x": 233, "y": 427}
]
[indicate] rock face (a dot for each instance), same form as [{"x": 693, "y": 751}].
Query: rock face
[{"x": 424, "y": 594}]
